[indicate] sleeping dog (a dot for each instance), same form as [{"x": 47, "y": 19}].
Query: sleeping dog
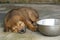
[{"x": 18, "y": 19}]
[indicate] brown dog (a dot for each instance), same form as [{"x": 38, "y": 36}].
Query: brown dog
[{"x": 17, "y": 19}]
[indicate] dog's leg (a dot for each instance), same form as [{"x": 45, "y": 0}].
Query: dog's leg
[
  {"x": 6, "y": 29},
  {"x": 30, "y": 25}
]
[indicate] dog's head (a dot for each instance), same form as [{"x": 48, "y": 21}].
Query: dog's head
[{"x": 19, "y": 27}]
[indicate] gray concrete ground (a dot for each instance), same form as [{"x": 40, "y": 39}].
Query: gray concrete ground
[{"x": 45, "y": 11}]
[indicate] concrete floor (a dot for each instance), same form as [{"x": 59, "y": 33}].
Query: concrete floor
[{"x": 45, "y": 11}]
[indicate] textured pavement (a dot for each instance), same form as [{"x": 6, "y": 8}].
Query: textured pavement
[{"x": 45, "y": 11}]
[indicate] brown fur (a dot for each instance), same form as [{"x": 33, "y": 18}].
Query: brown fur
[{"x": 26, "y": 15}]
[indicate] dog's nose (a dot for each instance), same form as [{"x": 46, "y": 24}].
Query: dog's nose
[{"x": 22, "y": 31}]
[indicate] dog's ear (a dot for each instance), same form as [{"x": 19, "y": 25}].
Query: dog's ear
[{"x": 33, "y": 16}]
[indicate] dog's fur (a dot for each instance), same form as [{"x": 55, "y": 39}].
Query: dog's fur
[{"x": 18, "y": 18}]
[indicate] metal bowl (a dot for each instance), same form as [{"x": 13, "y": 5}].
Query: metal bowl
[{"x": 50, "y": 27}]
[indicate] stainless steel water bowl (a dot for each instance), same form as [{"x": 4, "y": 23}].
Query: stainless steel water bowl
[{"x": 50, "y": 27}]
